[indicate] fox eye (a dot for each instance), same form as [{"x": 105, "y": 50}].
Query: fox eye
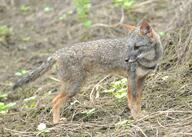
[{"x": 136, "y": 47}]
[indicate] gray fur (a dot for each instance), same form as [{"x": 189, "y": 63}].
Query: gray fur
[{"x": 104, "y": 56}]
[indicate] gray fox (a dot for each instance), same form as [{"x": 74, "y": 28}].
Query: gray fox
[{"x": 104, "y": 56}]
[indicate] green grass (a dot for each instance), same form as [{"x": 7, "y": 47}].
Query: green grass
[
  {"x": 118, "y": 88},
  {"x": 4, "y": 107},
  {"x": 25, "y": 8},
  {"x": 82, "y": 7},
  {"x": 125, "y": 4},
  {"x": 4, "y": 30}
]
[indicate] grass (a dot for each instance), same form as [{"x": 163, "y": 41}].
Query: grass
[
  {"x": 4, "y": 107},
  {"x": 4, "y": 30},
  {"x": 118, "y": 88},
  {"x": 25, "y": 8},
  {"x": 125, "y": 4}
]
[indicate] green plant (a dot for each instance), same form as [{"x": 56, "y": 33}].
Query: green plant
[
  {"x": 24, "y": 8},
  {"x": 26, "y": 38},
  {"x": 82, "y": 7},
  {"x": 162, "y": 34},
  {"x": 21, "y": 72},
  {"x": 89, "y": 112},
  {"x": 118, "y": 88},
  {"x": 4, "y": 30},
  {"x": 126, "y": 4},
  {"x": 63, "y": 17},
  {"x": 3, "y": 96},
  {"x": 48, "y": 9},
  {"x": 30, "y": 102},
  {"x": 3, "y": 106}
]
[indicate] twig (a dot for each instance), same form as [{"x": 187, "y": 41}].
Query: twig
[
  {"x": 140, "y": 130},
  {"x": 55, "y": 79},
  {"x": 19, "y": 132},
  {"x": 122, "y": 16},
  {"x": 160, "y": 124},
  {"x": 174, "y": 111},
  {"x": 45, "y": 87},
  {"x": 160, "y": 113},
  {"x": 96, "y": 85},
  {"x": 182, "y": 133}
]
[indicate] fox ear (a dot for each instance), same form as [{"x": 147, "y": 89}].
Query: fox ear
[{"x": 145, "y": 28}]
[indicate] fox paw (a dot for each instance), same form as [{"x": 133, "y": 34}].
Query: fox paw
[
  {"x": 140, "y": 115},
  {"x": 61, "y": 120}
]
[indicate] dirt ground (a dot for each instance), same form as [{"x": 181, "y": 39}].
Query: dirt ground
[{"x": 50, "y": 25}]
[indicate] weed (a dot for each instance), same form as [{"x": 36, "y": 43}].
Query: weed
[
  {"x": 118, "y": 88},
  {"x": 30, "y": 103},
  {"x": 82, "y": 8},
  {"x": 48, "y": 9},
  {"x": 162, "y": 34},
  {"x": 3, "y": 96},
  {"x": 89, "y": 112},
  {"x": 21, "y": 72},
  {"x": 25, "y": 8},
  {"x": 125, "y": 4},
  {"x": 62, "y": 17},
  {"x": 26, "y": 38},
  {"x": 4, "y": 107},
  {"x": 4, "y": 30}
]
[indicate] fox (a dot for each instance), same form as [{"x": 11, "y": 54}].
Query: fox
[{"x": 104, "y": 56}]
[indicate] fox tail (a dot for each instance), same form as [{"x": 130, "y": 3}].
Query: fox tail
[{"x": 33, "y": 75}]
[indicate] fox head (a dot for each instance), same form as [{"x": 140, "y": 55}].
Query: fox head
[{"x": 143, "y": 35}]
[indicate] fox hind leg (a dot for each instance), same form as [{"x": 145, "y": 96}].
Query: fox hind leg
[
  {"x": 56, "y": 105},
  {"x": 66, "y": 92}
]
